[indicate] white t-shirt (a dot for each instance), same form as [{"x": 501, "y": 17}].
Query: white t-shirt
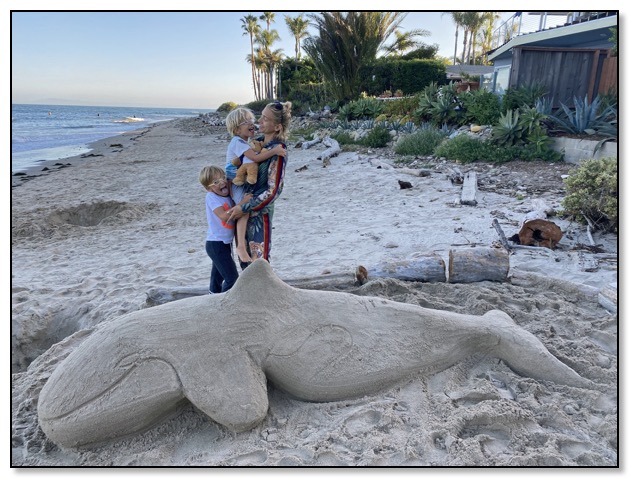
[
  {"x": 237, "y": 146},
  {"x": 217, "y": 229}
]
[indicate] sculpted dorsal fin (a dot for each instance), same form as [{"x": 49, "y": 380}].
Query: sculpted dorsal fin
[{"x": 258, "y": 284}]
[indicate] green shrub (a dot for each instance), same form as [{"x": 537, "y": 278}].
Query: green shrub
[
  {"x": 481, "y": 107},
  {"x": 464, "y": 149},
  {"x": 422, "y": 143},
  {"x": 377, "y": 137},
  {"x": 527, "y": 95},
  {"x": 258, "y": 105},
  {"x": 227, "y": 107},
  {"x": 391, "y": 73},
  {"x": 402, "y": 107},
  {"x": 592, "y": 192},
  {"x": 343, "y": 138}
]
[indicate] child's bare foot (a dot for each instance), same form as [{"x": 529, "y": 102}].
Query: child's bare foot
[{"x": 242, "y": 255}]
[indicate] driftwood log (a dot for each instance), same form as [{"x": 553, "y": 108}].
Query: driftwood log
[
  {"x": 475, "y": 264},
  {"x": 455, "y": 176},
  {"x": 308, "y": 144},
  {"x": 472, "y": 264},
  {"x": 468, "y": 193},
  {"x": 608, "y": 297},
  {"x": 501, "y": 235},
  {"x": 425, "y": 268},
  {"x": 333, "y": 146},
  {"x": 340, "y": 281}
]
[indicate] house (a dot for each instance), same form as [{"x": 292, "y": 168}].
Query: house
[{"x": 571, "y": 58}]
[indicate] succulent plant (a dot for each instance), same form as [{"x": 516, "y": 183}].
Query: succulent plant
[{"x": 509, "y": 130}]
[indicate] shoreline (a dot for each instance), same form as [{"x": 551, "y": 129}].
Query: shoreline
[{"x": 97, "y": 148}]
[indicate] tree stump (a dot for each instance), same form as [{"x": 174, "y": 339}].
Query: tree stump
[{"x": 475, "y": 264}]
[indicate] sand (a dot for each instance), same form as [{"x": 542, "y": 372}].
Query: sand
[{"x": 89, "y": 240}]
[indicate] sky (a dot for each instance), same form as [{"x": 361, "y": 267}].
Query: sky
[{"x": 179, "y": 59}]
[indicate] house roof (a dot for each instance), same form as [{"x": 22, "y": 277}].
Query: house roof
[
  {"x": 563, "y": 36},
  {"x": 457, "y": 71}
]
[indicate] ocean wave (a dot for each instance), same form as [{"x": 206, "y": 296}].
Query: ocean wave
[{"x": 129, "y": 120}]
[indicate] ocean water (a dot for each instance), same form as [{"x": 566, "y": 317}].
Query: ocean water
[{"x": 49, "y": 132}]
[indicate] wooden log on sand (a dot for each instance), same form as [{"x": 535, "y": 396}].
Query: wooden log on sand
[
  {"x": 426, "y": 268},
  {"x": 308, "y": 144},
  {"x": 475, "y": 264},
  {"x": 341, "y": 281},
  {"x": 468, "y": 193},
  {"x": 334, "y": 148},
  {"x": 608, "y": 297}
]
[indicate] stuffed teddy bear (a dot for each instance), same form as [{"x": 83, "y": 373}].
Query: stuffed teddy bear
[{"x": 247, "y": 171}]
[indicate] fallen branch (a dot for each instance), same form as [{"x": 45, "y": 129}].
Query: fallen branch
[
  {"x": 308, "y": 144},
  {"x": 501, "y": 235},
  {"x": 334, "y": 148}
]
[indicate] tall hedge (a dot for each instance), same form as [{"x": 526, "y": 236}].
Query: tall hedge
[{"x": 410, "y": 76}]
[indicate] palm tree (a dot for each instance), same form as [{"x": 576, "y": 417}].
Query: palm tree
[
  {"x": 475, "y": 22},
  {"x": 265, "y": 39},
  {"x": 487, "y": 33},
  {"x": 251, "y": 28},
  {"x": 468, "y": 20},
  {"x": 298, "y": 27},
  {"x": 347, "y": 41},
  {"x": 457, "y": 18},
  {"x": 405, "y": 41},
  {"x": 268, "y": 17}
]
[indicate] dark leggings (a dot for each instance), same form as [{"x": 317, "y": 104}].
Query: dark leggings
[{"x": 224, "y": 272}]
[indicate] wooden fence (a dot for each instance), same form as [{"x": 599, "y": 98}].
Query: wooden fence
[{"x": 564, "y": 72}]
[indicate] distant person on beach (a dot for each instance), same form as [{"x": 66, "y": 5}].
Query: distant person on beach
[
  {"x": 220, "y": 233},
  {"x": 274, "y": 124},
  {"x": 240, "y": 123}
]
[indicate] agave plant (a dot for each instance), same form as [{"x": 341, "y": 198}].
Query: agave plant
[
  {"x": 345, "y": 112},
  {"x": 408, "y": 127},
  {"x": 531, "y": 119},
  {"x": 442, "y": 110},
  {"x": 509, "y": 130},
  {"x": 544, "y": 105},
  {"x": 585, "y": 119}
]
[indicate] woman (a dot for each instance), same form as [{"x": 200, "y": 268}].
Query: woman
[{"x": 274, "y": 123}]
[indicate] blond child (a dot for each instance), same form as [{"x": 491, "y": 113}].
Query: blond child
[
  {"x": 240, "y": 123},
  {"x": 220, "y": 232}
]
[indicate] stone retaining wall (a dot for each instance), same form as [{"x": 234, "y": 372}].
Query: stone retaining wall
[{"x": 575, "y": 150}]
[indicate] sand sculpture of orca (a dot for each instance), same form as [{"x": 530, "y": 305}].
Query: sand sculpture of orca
[{"x": 217, "y": 351}]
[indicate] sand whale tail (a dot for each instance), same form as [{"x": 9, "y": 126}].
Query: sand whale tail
[{"x": 529, "y": 357}]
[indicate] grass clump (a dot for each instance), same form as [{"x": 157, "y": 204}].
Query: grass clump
[
  {"x": 421, "y": 143},
  {"x": 592, "y": 194},
  {"x": 464, "y": 149},
  {"x": 377, "y": 137}
]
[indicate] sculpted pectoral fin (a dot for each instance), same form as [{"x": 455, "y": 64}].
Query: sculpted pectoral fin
[{"x": 230, "y": 389}]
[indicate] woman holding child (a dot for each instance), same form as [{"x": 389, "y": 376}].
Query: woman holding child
[
  {"x": 252, "y": 215},
  {"x": 274, "y": 124}
]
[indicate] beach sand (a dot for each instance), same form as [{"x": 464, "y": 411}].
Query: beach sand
[{"x": 89, "y": 240}]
